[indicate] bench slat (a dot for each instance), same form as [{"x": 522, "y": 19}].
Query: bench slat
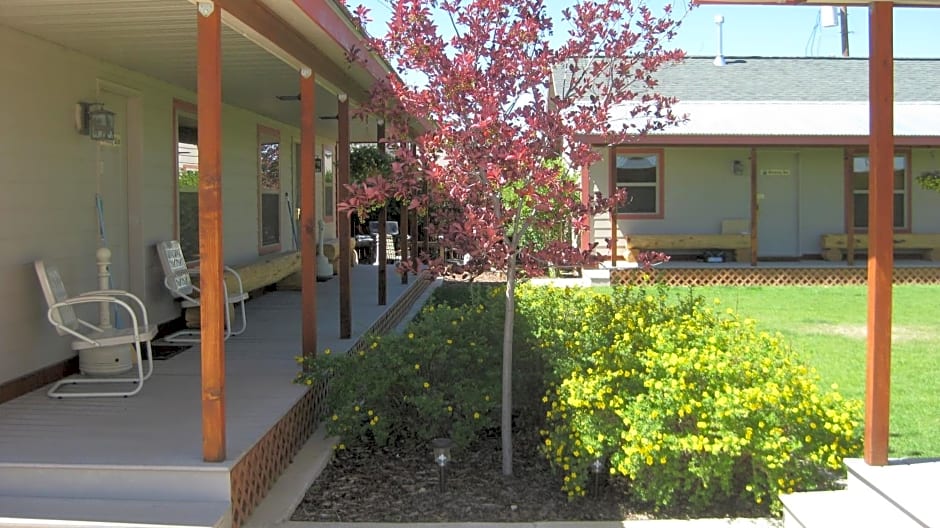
[
  {"x": 703, "y": 241},
  {"x": 738, "y": 242},
  {"x": 834, "y": 244}
]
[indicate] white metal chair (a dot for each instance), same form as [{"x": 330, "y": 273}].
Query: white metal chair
[
  {"x": 107, "y": 346},
  {"x": 178, "y": 276},
  {"x": 391, "y": 231}
]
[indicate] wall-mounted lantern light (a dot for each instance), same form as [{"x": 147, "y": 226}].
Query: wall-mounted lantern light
[
  {"x": 318, "y": 165},
  {"x": 737, "y": 168},
  {"x": 95, "y": 121}
]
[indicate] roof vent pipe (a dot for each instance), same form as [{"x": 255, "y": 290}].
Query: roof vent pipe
[{"x": 719, "y": 58}]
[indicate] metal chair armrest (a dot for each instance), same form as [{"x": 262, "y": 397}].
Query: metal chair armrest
[
  {"x": 89, "y": 299},
  {"x": 119, "y": 294}
]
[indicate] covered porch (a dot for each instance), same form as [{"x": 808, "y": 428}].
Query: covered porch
[{"x": 138, "y": 459}]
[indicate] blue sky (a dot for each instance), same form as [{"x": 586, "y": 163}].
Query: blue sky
[{"x": 781, "y": 31}]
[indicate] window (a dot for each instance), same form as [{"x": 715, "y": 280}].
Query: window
[
  {"x": 640, "y": 173},
  {"x": 859, "y": 185},
  {"x": 328, "y": 185},
  {"x": 269, "y": 188},
  {"x": 187, "y": 177}
]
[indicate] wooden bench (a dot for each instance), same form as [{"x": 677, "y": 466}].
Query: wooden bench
[
  {"x": 739, "y": 243},
  {"x": 834, "y": 246},
  {"x": 256, "y": 275}
]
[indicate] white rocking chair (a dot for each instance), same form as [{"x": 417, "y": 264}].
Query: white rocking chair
[
  {"x": 178, "y": 279},
  {"x": 112, "y": 343}
]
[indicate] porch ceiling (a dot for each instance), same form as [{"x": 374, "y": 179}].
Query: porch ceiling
[{"x": 158, "y": 38}]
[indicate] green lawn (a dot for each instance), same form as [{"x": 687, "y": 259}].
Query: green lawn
[{"x": 826, "y": 325}]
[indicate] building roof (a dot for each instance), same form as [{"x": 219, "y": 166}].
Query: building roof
[
  {"x": 779, "y": 96},
  {"x": 794, "y": 79},
  {"x": 787, "y": 79}
]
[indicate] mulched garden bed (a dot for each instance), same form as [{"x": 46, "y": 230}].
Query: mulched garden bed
[
  {"x": 388, "y": 485},
  {"x": 400, "y": 485},
  {"x": 364, "y": 485}
]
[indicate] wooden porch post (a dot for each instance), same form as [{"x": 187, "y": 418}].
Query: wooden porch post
[
  {"x": 611, "y": 187},
  {"x": 587, "y": 236},
  {"x": 755, "y": 207},
  {"x": 308, "y": 215},
  {"x": 880, "y": 232},
  {"x": 342, "y": 223},
  {"x": 403, "y": 237},
  {"x": 383, "y": 218},
  {"x": 212, "y": 303}
]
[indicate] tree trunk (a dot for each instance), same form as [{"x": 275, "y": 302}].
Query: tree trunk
[{"x": 506, "y": 423}]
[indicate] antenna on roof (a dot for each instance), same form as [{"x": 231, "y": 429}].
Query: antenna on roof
[
  {"x": 832, "y": 16},
  {"x": 719, "y": 58}
]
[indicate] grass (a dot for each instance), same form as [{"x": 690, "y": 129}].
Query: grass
[{"x": 827, "y": 326}]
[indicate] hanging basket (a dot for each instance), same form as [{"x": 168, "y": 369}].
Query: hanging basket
[{"x": 929, "y": 180}]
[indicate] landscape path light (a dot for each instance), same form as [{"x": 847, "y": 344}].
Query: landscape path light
[{"x": 441, "y": 450}]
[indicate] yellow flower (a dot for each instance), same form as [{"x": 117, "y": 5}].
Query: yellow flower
[
  {"x": 411, "y": 335},
  {"x": 427, "y": 385},
  {"x": 335, "y": 417},
  {"x": 327, "y": 352},
  {"x": 476, "y": 416},
  {"x": 450, "y": 341},
  {"x": 417, "y": 366}
]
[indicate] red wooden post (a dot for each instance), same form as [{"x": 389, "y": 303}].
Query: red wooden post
[
  {"x": 383, "y": 231},
  {"x": 342, "y": 220},
  {"x": 880, "y": 232},
  {"x": 403, "y": 237},
  {"x": 308, "y": 215},
  {"x": 755, "y": 207},
  {"x": 611, "y": 188},
  {"x": 212, "y": 303}
]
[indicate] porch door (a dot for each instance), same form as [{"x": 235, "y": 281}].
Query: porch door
[
  {"x": 778, "y": 204},
  {"x": 111, "y": 186}
]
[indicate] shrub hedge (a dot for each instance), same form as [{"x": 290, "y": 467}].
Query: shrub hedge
[
  {"x": 686, "y": 403},
  {"x": 693, "y": 404}
]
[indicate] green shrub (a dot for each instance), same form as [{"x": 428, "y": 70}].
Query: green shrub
[
  {"x": 438, "y": 378},
  {"x": 691, "y": 404}
]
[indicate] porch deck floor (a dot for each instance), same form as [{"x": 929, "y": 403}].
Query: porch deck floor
[{"x": 161, "y": 426}]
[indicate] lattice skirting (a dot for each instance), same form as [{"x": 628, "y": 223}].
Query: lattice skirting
[
  {"x": 394, "y": 315},
  {"x": 256, "y": 472},
  {"x": 769, "y": 276},
  {"x": 253, "y": 475}
]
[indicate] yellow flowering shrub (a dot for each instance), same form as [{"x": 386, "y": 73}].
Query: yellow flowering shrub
[{"x": 687, "y": 402}]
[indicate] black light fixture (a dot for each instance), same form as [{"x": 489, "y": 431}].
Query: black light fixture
[{"x": 95, "y": 121}]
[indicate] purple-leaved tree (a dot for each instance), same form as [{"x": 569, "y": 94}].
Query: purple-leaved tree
[{"x": 489, "y": 165}]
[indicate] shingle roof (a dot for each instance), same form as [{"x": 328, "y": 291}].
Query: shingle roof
[{"x": 789, "y": 79}]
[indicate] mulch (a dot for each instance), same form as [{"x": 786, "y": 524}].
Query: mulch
[{"x": 389, "y": 485}]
